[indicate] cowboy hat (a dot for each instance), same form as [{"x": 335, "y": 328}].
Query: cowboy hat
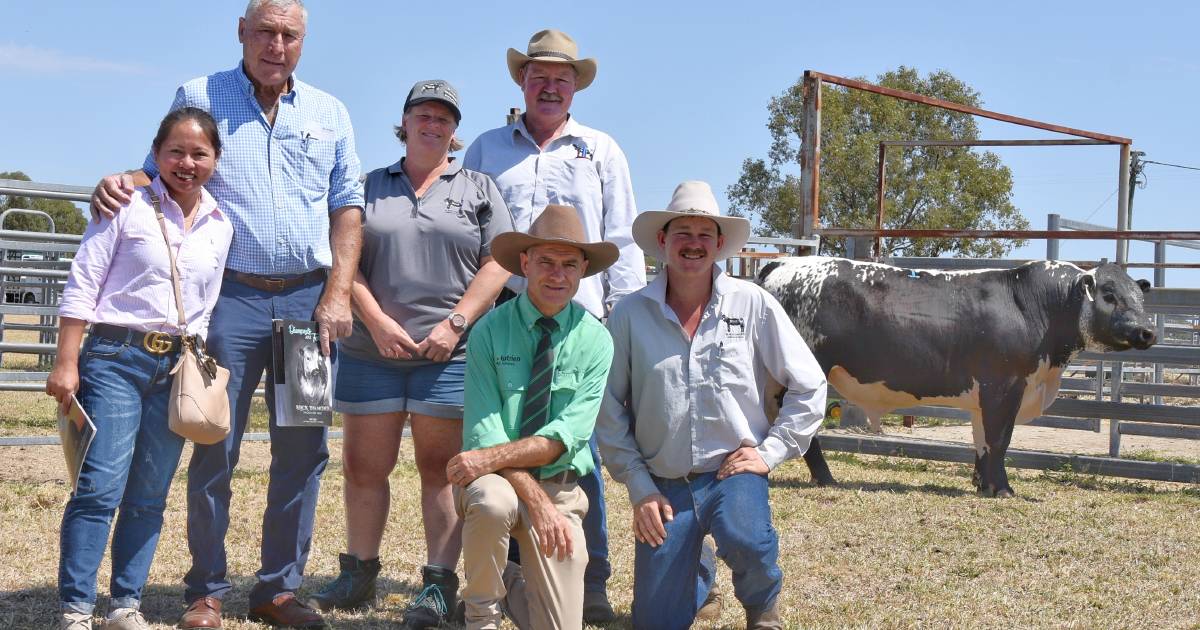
[
  {"x": 690, "y": 199},
  {"x": 551, "y": 46},
  {"x": 557, "y": 225}
]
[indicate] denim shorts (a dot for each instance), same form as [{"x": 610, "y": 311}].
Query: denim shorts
[{"x": 432, "y": 389}]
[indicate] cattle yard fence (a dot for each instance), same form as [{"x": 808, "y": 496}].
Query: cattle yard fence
[
  {"x": 1133, "y": 390},
  {"x": 808, "y": 221}
]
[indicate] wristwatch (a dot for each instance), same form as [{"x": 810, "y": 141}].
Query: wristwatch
[{"x": 458, "y": 322}]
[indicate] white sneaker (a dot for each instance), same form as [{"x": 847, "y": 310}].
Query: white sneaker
[
  {"x": 75, "y": 621},
  {"x": 126, "y": 619}
]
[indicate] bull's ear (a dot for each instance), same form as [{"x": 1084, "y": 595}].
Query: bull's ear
[
  {"x": 1088, "y": 281},
  {"x": 1145, "y": 284}
]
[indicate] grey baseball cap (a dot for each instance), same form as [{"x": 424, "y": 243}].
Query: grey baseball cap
[{"x": 434, "y": 90}]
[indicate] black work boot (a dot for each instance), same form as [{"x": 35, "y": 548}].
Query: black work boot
[
  {"x": 353, "y": 588},
  {"x": 596, "y": 609},
  {"x": 435, "y": 603}
]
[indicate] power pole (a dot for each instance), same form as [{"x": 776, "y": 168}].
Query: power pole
[{"x": 1136, "y": 166}]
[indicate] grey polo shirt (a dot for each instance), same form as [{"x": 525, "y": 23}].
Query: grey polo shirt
[{"x": 419, "y": 255}]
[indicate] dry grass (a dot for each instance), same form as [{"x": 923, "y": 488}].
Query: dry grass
[
  {"x": 900, "y": 543},
  {"x": 14, "y": 361}
]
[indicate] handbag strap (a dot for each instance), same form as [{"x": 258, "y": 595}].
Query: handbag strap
[{"x": 162, "y": 224}]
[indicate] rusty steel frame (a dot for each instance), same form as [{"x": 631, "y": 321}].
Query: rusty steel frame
[
  {"x": 808, "y": 222},
  {"x": 1077, "y": 235},
  {"x": 881, "y": 176}
]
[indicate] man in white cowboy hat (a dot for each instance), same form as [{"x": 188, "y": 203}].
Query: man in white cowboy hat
[
  {"x": 536, "y": 369},
  {"x": 682, "y": 423},
  {"x": 547, "y": 157}
]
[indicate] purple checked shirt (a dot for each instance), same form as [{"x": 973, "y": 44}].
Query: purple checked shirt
[{"x": 122, "y": 274}]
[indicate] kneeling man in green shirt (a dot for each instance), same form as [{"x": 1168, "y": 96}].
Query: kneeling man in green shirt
[{"x": 536, "y": 372}]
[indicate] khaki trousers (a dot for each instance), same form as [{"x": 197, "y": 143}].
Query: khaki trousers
[{"x": 551, "y": 593}]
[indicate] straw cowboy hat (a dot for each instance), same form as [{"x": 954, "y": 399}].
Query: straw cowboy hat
[
  {"x": 551, "y": 46},
  {"x": 691, "y": 199},
  {"x": 557, "y": 225}
]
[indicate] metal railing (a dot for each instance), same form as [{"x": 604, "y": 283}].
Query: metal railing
[{"x": 1108, "y": 380}]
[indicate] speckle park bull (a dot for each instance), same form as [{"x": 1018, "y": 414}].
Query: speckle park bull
[{"x": 992, "y": 342}]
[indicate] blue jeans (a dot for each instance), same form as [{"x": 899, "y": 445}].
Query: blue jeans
[
  {"x": 367, "y": 387},
  {"x": 595, "y": 527},
  {"x": 737, "y": 514},
  {"x": 130, "y": 464},
  {"x": 240, "y": 339}
]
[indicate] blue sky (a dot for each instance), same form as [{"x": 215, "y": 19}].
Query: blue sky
[{"x": 682, "y": 86}]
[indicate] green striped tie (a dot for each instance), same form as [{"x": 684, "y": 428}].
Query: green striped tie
[{"x": 537, "y": 396}]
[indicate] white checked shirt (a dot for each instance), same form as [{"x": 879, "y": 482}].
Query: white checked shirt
[
  {"x": 277, "y": 183},
  {"x": 122, "y": 275},
  {"x": 676, "y": 406},
  {"x": 583, "y": 168}
]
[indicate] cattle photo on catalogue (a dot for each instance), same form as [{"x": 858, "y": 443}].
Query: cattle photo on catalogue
[{"x": 991, "y": 342}]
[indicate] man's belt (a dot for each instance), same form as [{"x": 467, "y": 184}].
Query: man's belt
[
  {"x": 275, "y": 284},
  {"x": 566, "y": 476},
  {"x": 154, "y": 342}
]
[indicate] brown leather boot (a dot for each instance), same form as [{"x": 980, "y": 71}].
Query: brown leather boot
[
  {"x": 765, "y": 618},
  {"x": 713, "y": 604}
]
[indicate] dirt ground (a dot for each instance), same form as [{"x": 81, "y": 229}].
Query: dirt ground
[
  {"x": 1065, "y": 440},
  {"x": 43, "y": 464}
]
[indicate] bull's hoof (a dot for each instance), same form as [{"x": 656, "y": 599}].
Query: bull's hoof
[{"x": 1002, "y": 493}]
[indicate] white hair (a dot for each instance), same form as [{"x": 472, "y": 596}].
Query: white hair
[{"x": 255, "y": 5}]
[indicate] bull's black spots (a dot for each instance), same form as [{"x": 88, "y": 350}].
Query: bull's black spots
[{"x": 991, "y": 342}]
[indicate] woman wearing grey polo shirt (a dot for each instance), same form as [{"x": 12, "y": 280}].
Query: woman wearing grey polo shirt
[{"x": 426, "y": 274}]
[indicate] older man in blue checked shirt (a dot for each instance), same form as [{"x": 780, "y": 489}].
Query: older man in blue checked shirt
[{"x": 289, "y": 181}]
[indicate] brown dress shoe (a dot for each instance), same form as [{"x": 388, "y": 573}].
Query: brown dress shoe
[
  {"x": 285, "y": 611},
  {"x": 202, "y": 613}
]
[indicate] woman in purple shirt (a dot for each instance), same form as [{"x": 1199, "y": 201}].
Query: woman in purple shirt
[{"x": 120, "y": 282}]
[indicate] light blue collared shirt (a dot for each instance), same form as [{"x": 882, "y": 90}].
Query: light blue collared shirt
[
  {"x": 676, "y": 405},
  {"x": 583, "y": 168},
  {"x": 277, "y": 184}
]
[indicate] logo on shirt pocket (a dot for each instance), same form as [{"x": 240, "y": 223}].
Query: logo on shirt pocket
[
  {"x": 455, "y": 206},
  {"x": 735, "y": 327},
  {"x": 582, "y": 151}
]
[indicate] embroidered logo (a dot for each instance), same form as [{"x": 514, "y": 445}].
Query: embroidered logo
[
  {"x": 453, "y": 206},
  {"x": 508, "y": 359},
  {"x": 735, "y": 328},
  {"x": 582, "y": 151}
]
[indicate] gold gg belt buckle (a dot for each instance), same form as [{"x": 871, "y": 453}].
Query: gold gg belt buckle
[{"x": 156, "y": 342}]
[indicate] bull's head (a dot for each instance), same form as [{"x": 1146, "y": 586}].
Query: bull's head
[
  {"x": 310, "y": 359},
  {"x": 1113, "y": 316}
]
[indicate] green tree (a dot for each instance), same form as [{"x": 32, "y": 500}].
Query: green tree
[
  {"x": 927, "y": 187},
  {"x": 68, "y": 219}
]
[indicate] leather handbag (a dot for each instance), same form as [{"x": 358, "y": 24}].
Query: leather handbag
[{"x": 199, "y": 408}]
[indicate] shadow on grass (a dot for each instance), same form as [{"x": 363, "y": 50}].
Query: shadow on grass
[
  {"x": 37, "y": 606},
  {"x": 1123, "y": 486},
  {"x": 875, "y": 486}
]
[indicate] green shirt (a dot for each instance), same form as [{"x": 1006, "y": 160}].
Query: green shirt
[{"x": 499, "y": 353}]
